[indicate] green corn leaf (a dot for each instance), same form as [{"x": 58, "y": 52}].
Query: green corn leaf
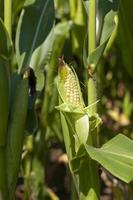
[
  {"x": 116, "y": 156},
  {"x": 82, "y": 128},
  {"x": 34, "y": 25},
  {"x": 80, "y": 120},
  {"x": 105, "y": 28},
  {"x": 4, "y": 100},
  {"x": 4, "y": 113},
  {"x": 16, "y": 133},
  {"x": 40, "y": 57},
  {"x": 109, "y": 26},
  {"x": 5, "y": 42},
  {"x": 68, "y": 135},
  {"x": 70, "y": 108}
]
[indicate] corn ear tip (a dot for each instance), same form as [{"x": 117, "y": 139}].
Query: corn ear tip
[{"x": 61, "y": 61}]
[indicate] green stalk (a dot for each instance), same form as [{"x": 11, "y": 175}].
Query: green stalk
[
  {"x": 92, "y": 26},
  {"x": 92, "y": 97},
  {"x": 72, "y": 4},
  {"x": 8, "y": 16},
  {"x": 91, "y": 47}
]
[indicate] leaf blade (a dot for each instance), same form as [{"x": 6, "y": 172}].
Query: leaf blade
[
  {"x": 115, "y": 157},
  {"x": 31, "y": 35}
]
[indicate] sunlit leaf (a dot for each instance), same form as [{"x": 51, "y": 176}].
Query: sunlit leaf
[
  {"x": 5, "y": 42},
  {"x": 116, "y": 156},
  {"x": 105, "y": 25},
  {"x": 35, "y": 23}
]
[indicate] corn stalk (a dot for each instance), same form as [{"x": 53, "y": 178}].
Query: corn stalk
[
  {"x": 8, "y": 16},
  {"x": 80, "y": 123}
]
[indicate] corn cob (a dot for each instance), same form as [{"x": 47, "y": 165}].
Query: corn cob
[
  {"x": 72, "y": 102},
  {"x": 70, "y": 91}
]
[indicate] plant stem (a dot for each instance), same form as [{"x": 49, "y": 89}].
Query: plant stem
[
  {"x": 92, "y": 97},
  {"x": 91, "y": 46},
  {"x": 8, "y": 16},
  {"x": 92, "y": 26},
  {"x": 72, "y": 4}
]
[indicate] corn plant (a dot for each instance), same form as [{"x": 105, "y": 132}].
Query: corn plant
[
  {"x": 78, "y": 123},
  {"x": 38, "y": 42},
  {"x": 73, "y": 109},
  {"x": 81, "y": 123},
  {"x": 18, "y": 88}
]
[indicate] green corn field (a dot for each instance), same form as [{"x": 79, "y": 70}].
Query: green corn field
[{"x": 66, "y": 100}]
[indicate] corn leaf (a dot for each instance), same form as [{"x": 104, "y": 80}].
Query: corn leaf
[
  {"x": 16, "y": 133},
  {"x": 105, "y": 27},
  {"x": 4, "y": 113},
  {"x": 5, "y": 42},
  {"x": 116, "y": 156},
  {"x": 34, "y": 25},
  {"x": 4, "y": 100}
]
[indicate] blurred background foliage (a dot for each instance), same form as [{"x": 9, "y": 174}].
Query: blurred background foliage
[{"x": 44, "y": 173}]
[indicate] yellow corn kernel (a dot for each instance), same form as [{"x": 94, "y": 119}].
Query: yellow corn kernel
[{"x": 70, "y": 84}]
